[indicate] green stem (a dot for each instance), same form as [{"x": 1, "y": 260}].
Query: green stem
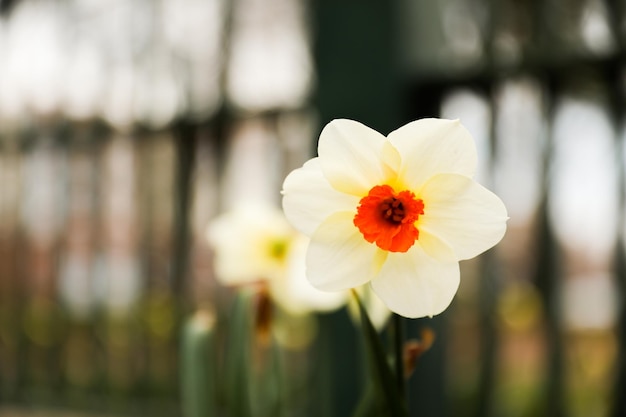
[{"x": 383, "y": 399}]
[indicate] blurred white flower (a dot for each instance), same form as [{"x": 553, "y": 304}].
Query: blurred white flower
[
  {"x": 250, "y": 244},
  {"x": 255, "y": 243},
  {"x": 294, "y": 293}
]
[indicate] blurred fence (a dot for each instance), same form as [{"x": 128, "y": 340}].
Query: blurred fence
[
  {"x": 124, "y": 128},
  {"x": 155, "y": 116},
  {"x": 104, "y": 254}
]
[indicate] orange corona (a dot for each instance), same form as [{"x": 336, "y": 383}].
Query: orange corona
[{"x": 388, "y": 218}]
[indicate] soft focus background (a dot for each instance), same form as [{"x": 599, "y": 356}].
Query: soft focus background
[{"x": 126, "y": 126}]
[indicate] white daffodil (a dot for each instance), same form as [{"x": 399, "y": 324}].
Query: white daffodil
[
  {"x": 256, "y": 244},
  {"x": 250, "y": 244},
  {"x": 399, "y": 211}
]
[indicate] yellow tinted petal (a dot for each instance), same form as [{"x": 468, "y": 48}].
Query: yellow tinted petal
[
  {"x": 431, "y": 146},
  {"x": 339, "y": 258},
  {"x": 308, "y": 198},
  {"x": 354, "y": 157},
  {"x": 415, "y": 285},
  {"x": 436, "y": 247},
  {"x": 463, "y": 213}
]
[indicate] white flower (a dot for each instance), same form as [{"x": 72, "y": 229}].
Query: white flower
[
  {"x": 398, "y": 211},
  {"x": 255, "y": 244},
  {"x": 250, "y": 244},
  {"x": 294, "y": 293}
]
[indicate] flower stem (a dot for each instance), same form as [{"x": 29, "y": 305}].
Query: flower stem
[
  {"x": 384, "y": 397},
  {"x": 398, "y": 345}
]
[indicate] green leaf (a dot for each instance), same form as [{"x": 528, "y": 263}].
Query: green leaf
[
  {"x": 382, "y": 395},
  {"x": 198, "y": 366},
  {"x": 266, "y": 382},
  {"x": 237, "y": 355}
]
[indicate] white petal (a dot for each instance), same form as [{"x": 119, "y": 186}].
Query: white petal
[
  {"x": 354, "y": 158},
  {"x": 463, "y": 213},
  {"x": 414, "y": 285},
  {"x": 432, "y": 146},
  {"x": 339, "y": 257},
  {"x": 308, "y": 198}
]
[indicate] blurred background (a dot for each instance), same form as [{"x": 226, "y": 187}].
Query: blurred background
[{"x": 126, "y": 126}]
